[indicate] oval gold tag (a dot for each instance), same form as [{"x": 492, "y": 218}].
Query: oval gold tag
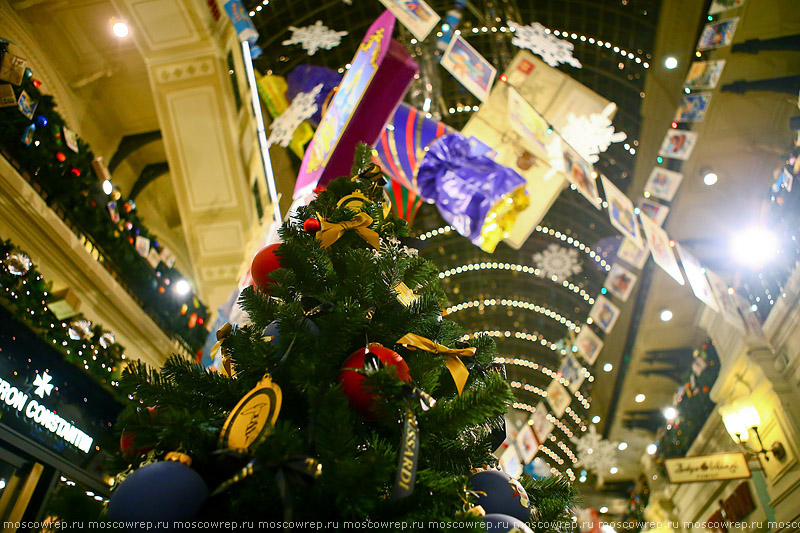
[{"x": 251, "y": 418}]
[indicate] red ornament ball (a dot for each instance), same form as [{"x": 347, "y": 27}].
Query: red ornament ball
[
  {"x": 76, "y": 172},
  {"x": 126, "y": 445},
  {"x": 318, "y": 189},
  {"x": 361, "y": 399},
  {"x": 60, "y": 157},
  {"x": 264, "y": 263},
  {"x": 311, "y": 225}
]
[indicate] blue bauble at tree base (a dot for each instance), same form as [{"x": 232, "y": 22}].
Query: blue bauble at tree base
[
  {"x": 165, "y": 491},
  {"x": 499, "y": 493},
  {"x": 502, "y": 523}
]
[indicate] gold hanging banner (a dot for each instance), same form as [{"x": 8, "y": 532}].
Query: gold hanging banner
[
  {"x": 330, "y": 232},
  {"x": 455, "y": 365}
]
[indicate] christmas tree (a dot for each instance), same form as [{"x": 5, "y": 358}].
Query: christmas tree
[{"x": 347, "y": 397}]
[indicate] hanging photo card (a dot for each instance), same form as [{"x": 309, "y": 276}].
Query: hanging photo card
[
  {"x": 153, "y": 258},
  {"x": 526, "y": 444},
  {"x": 632, "y": 254},
  {"x": 528, "y": 124},
  {"x": 656, "y": 211},
  {"x": 542, "y": 427},
  {"x": 572, "y": 371},
  {"x": 142, "y": 246},
  {"x": 558, "y": 397},
  {"x": 579, "y": 173},
  {"x": 693, "y": 107},
  {"x": 717, "y": 34},
  {"x": 469, "y": 67},
  {"x": 658, "y": 241},
  {"x": 589, "y": 344},
  {"x": 704, "y": 74},
  {"x": 678, "y": 144},
  {"x": 663, "y": 184},
  {"x": 718, "y": 6},
  {"x": 70, "y": 139},
  {"x": 26, "y": 106},
  {"x": 604, "y": 314},
  {"x": 725, "y": 298},
  {"x": 510, "y": 463},
  {"x": 696, "y": 275},
  {"x": 416, "y": 15},
  {"x": 620, "y": 212},
  {"x": 167, "y": 257},
  {"x": 620, "y": 282}
]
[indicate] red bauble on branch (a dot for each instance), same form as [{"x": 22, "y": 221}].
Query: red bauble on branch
[
  {"x": 311, "y": 225},
  {"x": 264, "y": 263},
  {"x": 361, "y": 399}
]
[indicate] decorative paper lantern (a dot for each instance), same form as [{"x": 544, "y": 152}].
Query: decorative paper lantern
[
  {"x": 264, "y": 263},
  {"x": 361, "y": 400},
  {"x": 499, "y": 493},
  {"x": 165, "y": 491}
]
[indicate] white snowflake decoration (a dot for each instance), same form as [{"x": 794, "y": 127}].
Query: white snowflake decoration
[
  {"x": 303, "y": 107},
  {"x": 537, "y": 39},
  {"x": 590, "y": 135},
  {"x": 557, "y": 261},
  {"x": 312, "y": 38},
  {"x": 595, "y": 453}
]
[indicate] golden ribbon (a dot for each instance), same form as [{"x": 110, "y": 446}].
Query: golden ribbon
[
  {"x": 331, "y": 231},
  {"x": 455, "y": 365},
  {"x": 222, "y": 334}
]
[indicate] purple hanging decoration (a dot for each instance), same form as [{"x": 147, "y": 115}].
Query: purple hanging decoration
[
  {"x": 304, "y": 78},
  {"x": 466, "y": 188}
]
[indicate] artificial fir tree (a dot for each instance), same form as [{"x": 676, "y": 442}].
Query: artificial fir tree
[{"x": 333, "y": 451}]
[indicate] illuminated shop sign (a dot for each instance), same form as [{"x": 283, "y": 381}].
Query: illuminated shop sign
[{"x": 37, "y": 412}]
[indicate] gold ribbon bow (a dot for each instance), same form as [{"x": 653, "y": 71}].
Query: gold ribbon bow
[
  {"x": 222, "y": 334},
  {"x": 455, "y": 365},
  {"x": 331, "y": 231}
]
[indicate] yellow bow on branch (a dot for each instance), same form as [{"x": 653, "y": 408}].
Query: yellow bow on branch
[
  {"x": 330, "y": 232},
  {"x": 455, "y": 365}
]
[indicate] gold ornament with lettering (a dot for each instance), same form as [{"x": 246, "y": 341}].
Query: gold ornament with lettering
[{"x": 252, "y": 417}]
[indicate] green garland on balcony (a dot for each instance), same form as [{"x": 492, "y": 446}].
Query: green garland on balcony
[
  {"x": 693, "y": 404},
  {"x": 67, "y": 181},
  {"x": 25, "y": 293}
]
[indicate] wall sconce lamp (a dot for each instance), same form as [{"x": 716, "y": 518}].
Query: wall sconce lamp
[{"x": 740, "y": 419}]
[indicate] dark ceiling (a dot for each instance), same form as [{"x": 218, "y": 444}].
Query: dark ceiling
[{"x": 627, "y": 25}]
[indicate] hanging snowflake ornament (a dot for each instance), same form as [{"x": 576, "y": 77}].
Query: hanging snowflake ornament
[
  {"x": 313, "y": 38},
  {"x": 595, "y": 453},
  {"x": 18, "y": 264},
  {"x": 557, "y": 261},
  {"x": 541, "y": 42},
  {"x": 303, "y": 107},
  {"x": 592, "y": 134}
]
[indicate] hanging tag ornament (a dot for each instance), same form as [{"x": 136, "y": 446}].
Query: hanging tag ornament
[
  {"x": 252, "y": 417},
  {"x": 409, "y": 453}
]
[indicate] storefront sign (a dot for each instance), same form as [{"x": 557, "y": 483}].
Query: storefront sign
[
  {"x": 713, "y": 467},
  {"x": 38, "y": 413}
]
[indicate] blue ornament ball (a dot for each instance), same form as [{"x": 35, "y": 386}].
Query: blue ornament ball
[
  {"x": 162, "y": 491},
  {"x": 503, "y": 523},
  {"x": 274, "y": 332},
  {"x": 41, "y": 121},
  {"x": 499, "y": 493}
]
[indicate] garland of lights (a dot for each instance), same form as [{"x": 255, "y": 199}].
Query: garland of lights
[
  {"x": 491, "y": 302},
  {"x": 25, "y": 293}
]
